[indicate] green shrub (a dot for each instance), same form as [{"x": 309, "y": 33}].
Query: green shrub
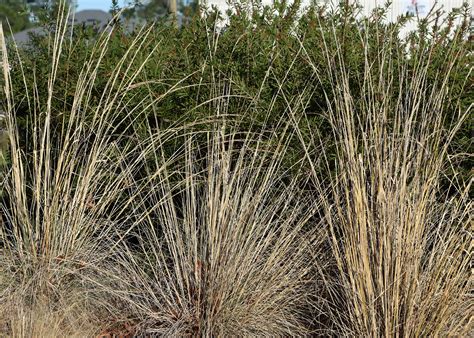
[{"x": 259, "y": 59}]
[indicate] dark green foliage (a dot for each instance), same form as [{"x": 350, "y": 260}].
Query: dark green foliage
[
  {"x": 15, "y": 13},
  {"x": 260, "y": 60}
]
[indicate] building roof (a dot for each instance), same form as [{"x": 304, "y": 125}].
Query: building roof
[
  {"x": 92, "y": 17},
  {"x": 24, "y": 36},
  {"x": 96, "y": 18}
]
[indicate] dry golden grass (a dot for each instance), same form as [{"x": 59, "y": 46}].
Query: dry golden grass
[
  {"x": 220, "y": 238},
  {"x": 222, "y": 251},
  {"x": 224, "y": 244},
  {"x": 402, "y": 244},
  {"x": 58, "y": 203}
]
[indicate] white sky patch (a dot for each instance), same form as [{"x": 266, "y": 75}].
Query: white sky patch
[{"x": 97, "y": 4}]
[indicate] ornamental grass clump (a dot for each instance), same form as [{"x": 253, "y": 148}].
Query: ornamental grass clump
[
  {"x": 223, "y": 246},
  {"x": 106, "y": 231},
  {"x": 401, "y": 235},
  {"x": 63, "y": 201}
]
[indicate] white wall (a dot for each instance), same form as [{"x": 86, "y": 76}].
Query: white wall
[
  {"x": 397, "y": 8},
  {"x": 400, "y": 7}
]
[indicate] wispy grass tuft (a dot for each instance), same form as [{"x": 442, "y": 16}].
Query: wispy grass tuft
[
  {"x": 401, "y": 237},
  {"x": 223, "y": 244},
  {"x": 60, "y": 205}
]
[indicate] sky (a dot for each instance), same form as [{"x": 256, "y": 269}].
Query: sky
[{"x": 96, "y": 4}]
